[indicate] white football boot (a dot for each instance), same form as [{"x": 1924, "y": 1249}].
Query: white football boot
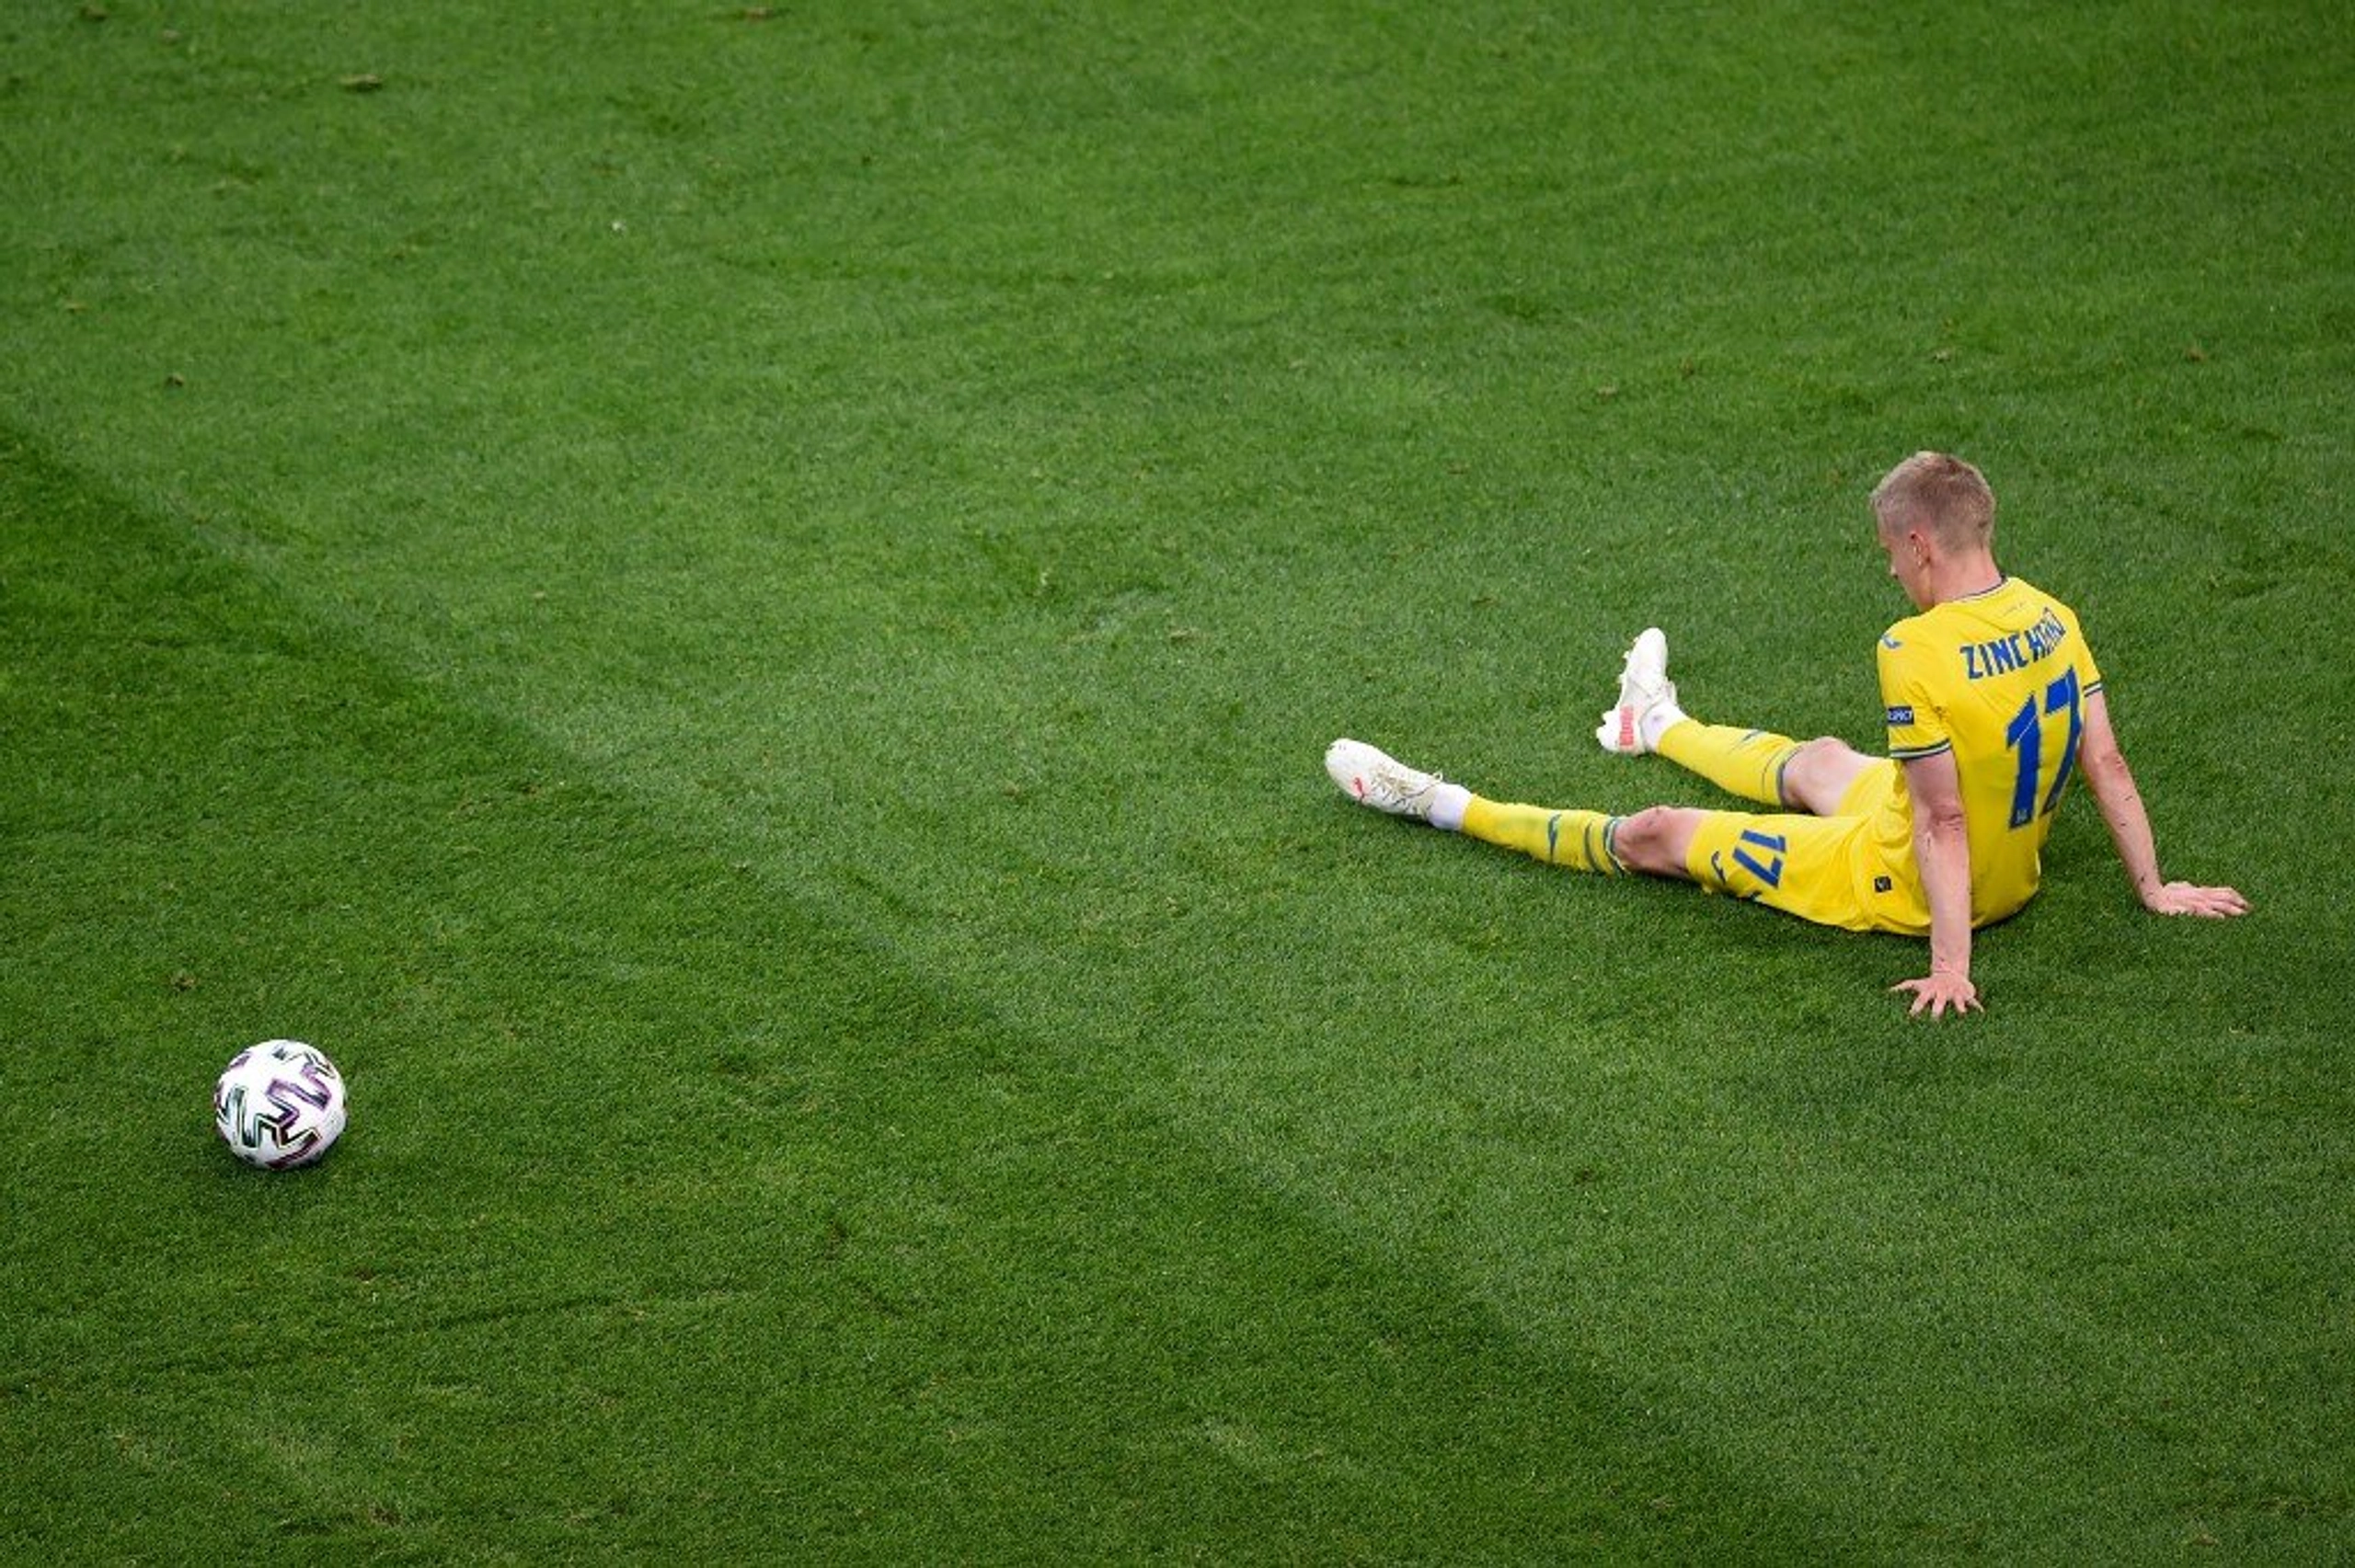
[
  {"x": 1375, "y": 778},
  {"x": 1644, "y": 689}
]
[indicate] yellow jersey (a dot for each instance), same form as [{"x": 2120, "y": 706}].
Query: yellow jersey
[{"x": 2000, "y": 679}]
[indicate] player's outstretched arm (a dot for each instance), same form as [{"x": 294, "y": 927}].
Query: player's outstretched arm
[
  {"x": 2112, "y": 782},
  {"x": 1942, "y": 852}
]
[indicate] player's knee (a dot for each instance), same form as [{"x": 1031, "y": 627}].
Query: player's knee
[
  {"x": 1819, "y": 772},
  {"x": 1653, "y": 840}
]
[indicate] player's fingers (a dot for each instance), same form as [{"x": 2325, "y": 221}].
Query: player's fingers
[{"x": 2212, "y": 901}]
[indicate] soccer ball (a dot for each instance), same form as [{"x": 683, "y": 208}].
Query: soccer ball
[{"x": 279, "y": 1105}]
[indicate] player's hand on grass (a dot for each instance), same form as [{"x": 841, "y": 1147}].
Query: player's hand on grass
[
  {"x": 1940, "y": 990},
  {"x": 2188, "y": 898}
]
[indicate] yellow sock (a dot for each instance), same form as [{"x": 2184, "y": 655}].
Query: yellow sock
[
  {"x": 1747, "y": 762},
  {"x": 1578, "y": 840}
]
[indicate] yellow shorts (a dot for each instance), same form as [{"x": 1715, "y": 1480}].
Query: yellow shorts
[{"x": 1849, "y": 869}]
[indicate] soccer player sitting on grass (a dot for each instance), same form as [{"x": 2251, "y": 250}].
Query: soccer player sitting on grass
[{"x": 1992, "y": 701}]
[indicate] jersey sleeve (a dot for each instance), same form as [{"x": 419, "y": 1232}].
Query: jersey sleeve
[
  {"x": 1916, "y": 718},
  {"x": 2088, "y": 674}
]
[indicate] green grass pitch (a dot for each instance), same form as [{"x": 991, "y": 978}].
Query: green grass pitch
[{"x": 737, "y": 609}]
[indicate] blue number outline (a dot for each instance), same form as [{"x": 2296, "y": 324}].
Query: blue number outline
[
  {"x": 1776, "y": 844},
  {"x": 2025, "y": 734}
]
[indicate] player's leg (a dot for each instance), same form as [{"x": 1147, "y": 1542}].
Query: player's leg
[
  {"x": 1819, "y": 868},
  {"x": 1755, "y": 764},
  {"x": 1816, "y": 867},
  {"x": 1752, "y": 763},
  {"x": 1829, "y": 869},
  {"x": 1658, "y": 840},
  {"x": 1654, "y": 840},
  {"x": 1819, "y": 776}
]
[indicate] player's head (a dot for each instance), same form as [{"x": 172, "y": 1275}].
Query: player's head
[
  {"x": 1942, "y": 497},
  {"x": 1932, "y": 507}
]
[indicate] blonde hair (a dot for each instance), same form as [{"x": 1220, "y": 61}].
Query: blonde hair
[{"x": 1945, "y": 497}]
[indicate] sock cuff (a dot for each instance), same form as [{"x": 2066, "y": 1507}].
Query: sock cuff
[
  {"x": 1659, "y": 720},
  {"x": 1449, "y": 802},
  {"x": 1612, "y": 864}
]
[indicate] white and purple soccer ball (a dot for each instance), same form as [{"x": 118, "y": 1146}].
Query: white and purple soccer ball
[{"x": 279, "y": 1105}]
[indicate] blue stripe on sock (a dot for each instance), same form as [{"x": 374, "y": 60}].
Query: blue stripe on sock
[{"x": 1617, "y": 867}]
